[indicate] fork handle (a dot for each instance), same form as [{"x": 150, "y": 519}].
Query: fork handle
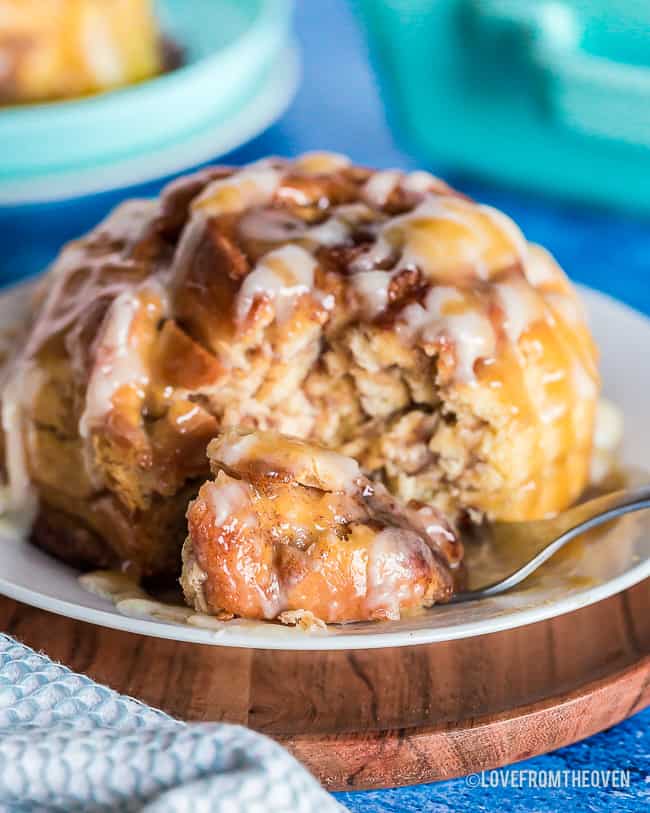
[
  {"x": 631, "y": 498},
  {"x": 574, "y": 522}
]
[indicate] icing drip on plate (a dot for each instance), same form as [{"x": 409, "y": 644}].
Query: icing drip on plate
[{"x": 130, "y": 599}]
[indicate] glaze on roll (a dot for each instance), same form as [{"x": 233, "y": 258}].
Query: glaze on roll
[
  {"x": 291, "y": 527},
  {"x": 379, "y": 314}
]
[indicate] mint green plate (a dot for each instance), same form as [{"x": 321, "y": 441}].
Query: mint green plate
[
  {"x": 550, "y": 94},
  {"x": 212, "y": 138},
  {"x": 231, "y": 47}
]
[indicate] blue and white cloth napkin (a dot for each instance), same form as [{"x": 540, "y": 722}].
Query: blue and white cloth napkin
[{"x": 70, "y": 744}]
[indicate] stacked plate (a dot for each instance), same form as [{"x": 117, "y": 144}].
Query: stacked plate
[{"x": 239, "y": 73}]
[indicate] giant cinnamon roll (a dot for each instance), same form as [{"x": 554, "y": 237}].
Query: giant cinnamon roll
[{"x": 379, "y": 314}]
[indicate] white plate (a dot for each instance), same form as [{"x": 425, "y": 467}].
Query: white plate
[
  {"x": 622, "y": 553},
  {"x": 215, "y": 138}
]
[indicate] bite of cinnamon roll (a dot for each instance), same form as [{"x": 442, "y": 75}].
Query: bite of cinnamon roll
[{"x": 288, "y": 526}]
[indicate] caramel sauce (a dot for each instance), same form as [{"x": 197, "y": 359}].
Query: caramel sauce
[
  {"x": 260, "y": 455},
  {"x": 582, "y": 563},
  {"x": 129, "y": 598},
  {"x": 578, "y": 566},
  {"x": 199, "y": 318},
  {"x": 172, "y": 330}
]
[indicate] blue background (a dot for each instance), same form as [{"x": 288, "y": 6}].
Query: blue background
[{"x": 338, "y": 108}]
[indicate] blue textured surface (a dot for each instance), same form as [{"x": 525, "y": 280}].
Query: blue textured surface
[
  {"x": 338, "y": 108},
  {"x": 625, "y": 747}
]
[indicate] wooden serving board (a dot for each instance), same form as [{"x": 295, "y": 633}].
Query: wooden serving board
[{"x": 378, "y": 718}]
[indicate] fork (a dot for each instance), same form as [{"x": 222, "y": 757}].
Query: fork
[{"x": 534, "y": 543}]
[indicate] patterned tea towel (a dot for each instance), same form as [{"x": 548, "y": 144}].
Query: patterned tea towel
[{"x": 69, "y": 744}]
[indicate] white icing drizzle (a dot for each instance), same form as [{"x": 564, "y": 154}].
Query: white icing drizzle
[
  {"x": 372, "y": 289},
  {"x": 507, "y": 226},
  {"x": 335, "y": 471},
  {"x": 253, "y": 185},
  {"x": 414, "y": 234},
  {"x": 287, "y": 273},
  {"x": 18, "y": 391},
  {"x": 116, "y": 363},
  {"x": 118, "y": 356},
  {"x": 553, "y": 412},
  {"x": 433, "y": 259},
  {"x": 380, "y": 251},
  {"x": 568, "y": 307},
  {"x": 271, "y": 225},
  {"x": 123, "y": 227},
  {"x": 321, "y": 162},
  {"x": 127, "y": 223},
  {"x": 329, "y": 233},
  {"x": 541, "y": 269},
  {"x": 282, "y": 275},
  {"x": 277, "y": 226},
  {"x": 233, "y": 449},
  {"x": 419, "y": 182},
  {"x": 390, "y": 573},
  {"x": 522, "y": 306},
  {"x": 308, "y": 464},
  {"x": 230, "y": 499},
  {"x": 63, "y": 307},
  {"x": 608, "y": 431},
  {"x": 379, "y": 186},
  {"x": 445, "y": 312},
  {"x": 272, "y": 599},
  {"x": 585, "y": 386}
]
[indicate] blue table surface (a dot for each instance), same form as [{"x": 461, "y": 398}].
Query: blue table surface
[{"x": 338, "y": 108}]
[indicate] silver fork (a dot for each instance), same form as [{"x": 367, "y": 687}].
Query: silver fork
[{"x": 519, "y": 548}]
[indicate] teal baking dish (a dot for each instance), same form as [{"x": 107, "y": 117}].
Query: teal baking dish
[{"x": 549, "y": 94}]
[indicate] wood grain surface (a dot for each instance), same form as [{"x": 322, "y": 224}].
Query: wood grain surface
[{"x": 379, "y": 718}]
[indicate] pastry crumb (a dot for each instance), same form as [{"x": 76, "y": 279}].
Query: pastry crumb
[{"x": 304, "y": 619}]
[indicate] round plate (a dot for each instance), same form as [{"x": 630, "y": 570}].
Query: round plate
[
  {"x": 216, "y": 136},
  {"x": 585, "y": 573}
]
